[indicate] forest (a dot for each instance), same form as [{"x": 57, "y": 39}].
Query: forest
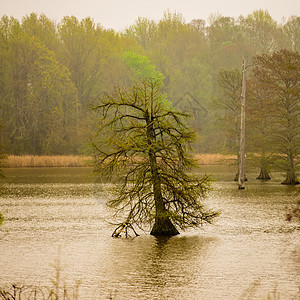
[
  {"x": 52, "y": 72},
  {"x": 111, "y": 126}
]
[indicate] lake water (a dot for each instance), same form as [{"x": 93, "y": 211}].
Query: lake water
[{"x": 55, "y": 218}]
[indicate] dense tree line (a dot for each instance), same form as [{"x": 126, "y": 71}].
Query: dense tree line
[
  {"x": 275, "y": 104},
  {"x": 50, "y": 72},
  {"x": 273, "y": 111},
  {"x": 48, "y": 75}
]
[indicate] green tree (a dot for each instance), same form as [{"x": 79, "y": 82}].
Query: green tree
[
  {"x": 143, "y": 31},
  {"x": 142, "y": 67},
  {"x": 261, "y": 31},
  {"x": 149, "y": 140},
  {"x": 228, "y": 45},
  {"x": 261, "y": 110},
  {"x": 38, "y": 98},
  {"x": 53, "y": 98},
  {"x": 180, "y": 52},
  {"x": 279, "y": 74},
  {"x": 189, "y": 81},
  {"x": 43, "y": 29},
  {"x": 221, "y": 30},
  {"x": 80, "y": 53},
  {"x": 291, "y": 31},
  {"x": 20, "y": 59},
  {"x": 92, "y": 55}
]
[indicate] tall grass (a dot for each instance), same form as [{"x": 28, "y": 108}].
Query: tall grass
[
  {"x": 58, "y": 290},
  {"x": 214, "y": 159},
  {"x": 28, "y": 161},
  {"x": 34, "y": 161}
]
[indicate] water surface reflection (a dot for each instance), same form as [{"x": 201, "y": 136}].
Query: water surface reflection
[
  {"x": 51, "y": 213},
  {"x": 160, "y": 268}
]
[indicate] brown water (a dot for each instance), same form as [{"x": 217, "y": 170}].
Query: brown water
[{"x": 59, "y": 213}]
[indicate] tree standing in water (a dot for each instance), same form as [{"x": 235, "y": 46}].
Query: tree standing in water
[
  {"x": 261, "y": 124},
  {"x": 146, "y": 143},
  {"x": 228, "y": 105},
  {"x": 279, "y": 75}
]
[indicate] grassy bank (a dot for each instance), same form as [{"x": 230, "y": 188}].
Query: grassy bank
[
  {"x": 32, "y": 161},
  {"x": 214, "y": 159}
]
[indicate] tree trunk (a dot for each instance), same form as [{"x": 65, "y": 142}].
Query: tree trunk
[
  {"x": 263, "y": 175},
  {"x": 291, "y": 177},
  {"x": 162, "y": 225},
  {"x": 237, "y": 175},
  {"x": 236, "y": 178},
  {"x": 241, "y": 178}
]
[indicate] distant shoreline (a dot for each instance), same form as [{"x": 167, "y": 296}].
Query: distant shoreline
[{"x": 46, "y": 161}]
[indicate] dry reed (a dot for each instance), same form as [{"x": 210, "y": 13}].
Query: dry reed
[
  {"x": 214, "y": 159},
  {"x": 29, "y": 161},
  {"x": 34, "y": 161}
]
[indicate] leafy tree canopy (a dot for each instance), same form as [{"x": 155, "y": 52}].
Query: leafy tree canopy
[
  {"x": 142, "y": 67},
  {"x": 144, "y": 70},
  {"x": 147, "y": 145}
]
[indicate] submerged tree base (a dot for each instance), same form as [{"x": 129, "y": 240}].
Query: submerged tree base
[
  {"x": 237, "y": 178},
  {"x": 291, "y": 181},
  {"x": 264, "y": 175},
  {"x": 164, "y": 227},
  {"x": 291, "y": 178}
]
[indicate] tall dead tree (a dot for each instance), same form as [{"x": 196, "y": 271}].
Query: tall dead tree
[{"x": 241, "y": 181}]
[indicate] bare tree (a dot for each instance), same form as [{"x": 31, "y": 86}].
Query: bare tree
[
  {"x": 228, "y": 104},
  {"x": 243, "y": 131}
]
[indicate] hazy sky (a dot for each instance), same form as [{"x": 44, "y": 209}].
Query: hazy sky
[{"x": 119, "y": 14}]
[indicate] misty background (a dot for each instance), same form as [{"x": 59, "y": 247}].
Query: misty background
[{"x": 52, "y": 71}]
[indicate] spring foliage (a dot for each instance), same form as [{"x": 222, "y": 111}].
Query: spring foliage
[{"x": 146, "y": 143}]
